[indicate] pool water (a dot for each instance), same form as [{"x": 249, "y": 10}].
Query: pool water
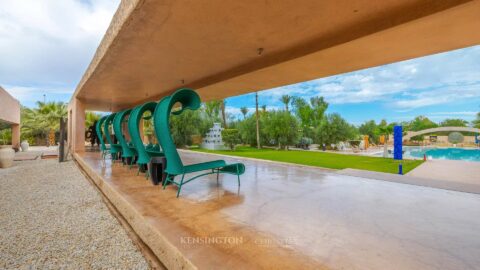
[{"x": 444, "y": 153}]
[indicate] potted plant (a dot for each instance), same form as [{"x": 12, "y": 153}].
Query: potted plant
[{"x": 7, "y": 153}]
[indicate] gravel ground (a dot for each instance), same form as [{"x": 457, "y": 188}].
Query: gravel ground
[{"x": 51, "y": 217}]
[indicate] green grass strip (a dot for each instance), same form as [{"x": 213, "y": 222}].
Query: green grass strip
[{"x": 321, "y": 159}]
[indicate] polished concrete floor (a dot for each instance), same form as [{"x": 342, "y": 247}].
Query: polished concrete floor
[{"x": 292, "y": 217}]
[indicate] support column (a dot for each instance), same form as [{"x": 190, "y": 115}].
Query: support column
[
  {"x": 78, "y": 126},
  {"x": 16, "y": 136}
]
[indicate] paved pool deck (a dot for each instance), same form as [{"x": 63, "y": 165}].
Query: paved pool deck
[
  {"x": 294, "y": 217},
  {"x": 467, "y": 172}
]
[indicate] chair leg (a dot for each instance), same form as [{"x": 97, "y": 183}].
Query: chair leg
[
  {"x": 238, "y": 176},
  {"x": 180, "y": 186},
  {"x": 167, "y": 180},
  {"x": 131, "y": 164}
]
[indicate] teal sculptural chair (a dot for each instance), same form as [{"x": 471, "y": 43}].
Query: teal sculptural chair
[
  {"x": 144, "y": 154},
  {"x": 98, "y": 128},
  {"x": 115, "y": 149},
  {"x": 127, "y": 152},
  {"x": 188, "y": 99}
]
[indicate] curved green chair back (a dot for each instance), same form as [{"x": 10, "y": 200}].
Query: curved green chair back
[
  {"x": 98, "y": 129},
  {"x": 188, "y": 99},
  {"x": 133, "y": 127},
  {"x": 113, "y": 147},
  {"x": 117, "y": 126}
]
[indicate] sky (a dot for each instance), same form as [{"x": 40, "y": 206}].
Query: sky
[{"x": 46, "y": 46}]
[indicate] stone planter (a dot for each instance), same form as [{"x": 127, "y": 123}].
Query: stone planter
[
  {"x": 24, "y": 145},
  {"x": 6, "y": 156}
]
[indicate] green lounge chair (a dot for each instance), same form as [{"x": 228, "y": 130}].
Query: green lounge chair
[
  {"x": 115, "y": 149},
  {"x": 127, "y": 152},
  {"x": 188, "y": 99},
  {"x": 144, "y": 154},
  {"x": 98, "y": 128}
]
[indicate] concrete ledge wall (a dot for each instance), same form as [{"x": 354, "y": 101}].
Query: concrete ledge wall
[{"x": 165, "y": 251}]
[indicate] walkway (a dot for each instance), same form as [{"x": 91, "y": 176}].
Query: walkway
[
  {"x": 294, "y": 217},
  {"x": 466, "y": 172},
  {"x": 51, "y": 217}
]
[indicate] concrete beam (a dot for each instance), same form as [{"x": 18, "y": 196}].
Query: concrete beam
[{"x": 227, "y": 48}]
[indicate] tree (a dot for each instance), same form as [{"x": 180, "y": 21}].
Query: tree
[
  {"x": 285, "y": 99},
  {"x": 5, "y": 136},
  {"x": 319, "y": 106},
  {"x": 385, "y": 130},
  {"x": 453, "y": 123},
  {"x": 310, "y": 114},
  {"x": 421, "y": 123},
  {"x": 231, "y": 138},
  {"x": 38, "y": 122},
  {"x": 91, "y": 118},
  {"x": 257, "y": 120},
  {"x": 334, "y": 129},
  {"x": 212, "y": 110},
  {"x": 183, "y": 126},
  {"x": 224, "y": 115},
  {"x": 369, "y": 128},
  {"x": 476, "y": 122},
  {"x": 281, "y": 128},
  {"x": 244, "y": 111}
]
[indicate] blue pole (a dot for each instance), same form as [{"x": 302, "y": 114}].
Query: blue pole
[
  {"x": 397, "y": 142},
  {"x": 400, "y": 169}
]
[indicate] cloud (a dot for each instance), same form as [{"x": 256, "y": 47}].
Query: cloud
[
  {"x": 29, "y": 95},
  {"x": 48, "y": 44},
  {"x": 422, "y": 82},
  {"x": 463, "y": 113}
]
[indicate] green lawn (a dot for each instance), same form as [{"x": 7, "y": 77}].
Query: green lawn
[{"x": 322, "y": 159}]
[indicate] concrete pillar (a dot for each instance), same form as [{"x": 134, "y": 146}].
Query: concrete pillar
[
  {"x": 78, "y": 126},
  {"x": 69, "y": 131},
  {"x": 16, "y": 136}
]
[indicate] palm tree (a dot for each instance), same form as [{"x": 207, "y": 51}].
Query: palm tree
[
  {"x": 91, "y": 118},
  {"x": 224, "y": 115},
  {"x": 42, "y": 120},
  {"x": 256, "y": 116},
  {"x": 244, "y": 111},
  {"x": 476, "y": 122},
  {"x": 212, "y": 109},
  {"x": 385, "y": 130},
  {"x": 286, "y": 100}
]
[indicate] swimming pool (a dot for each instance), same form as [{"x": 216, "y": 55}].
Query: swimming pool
[{"x": 444, "y": 153}]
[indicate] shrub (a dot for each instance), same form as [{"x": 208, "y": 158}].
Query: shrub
[
  {"x": 455, "y": 137},
  {"x": 231, "y": 138}
]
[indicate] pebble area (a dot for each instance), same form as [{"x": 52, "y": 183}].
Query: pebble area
[{"x": 51, "y": 217}]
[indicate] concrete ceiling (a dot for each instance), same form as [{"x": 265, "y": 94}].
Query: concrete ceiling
[{"x": 227, "y": 48}]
